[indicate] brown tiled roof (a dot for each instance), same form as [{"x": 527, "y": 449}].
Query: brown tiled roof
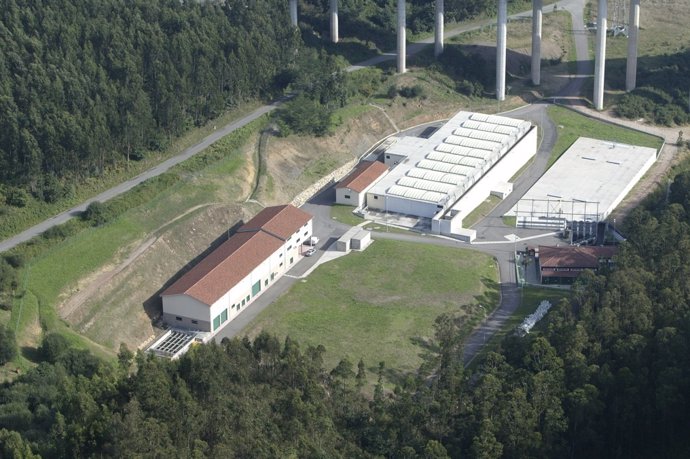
[
  {"x": 223, "y": 268},
  {"x": 364, "y": 175},
  {"x": 573, "y": 257},
  {"x": 280, "y": 221},
  {"x": 235, "y": 258}
]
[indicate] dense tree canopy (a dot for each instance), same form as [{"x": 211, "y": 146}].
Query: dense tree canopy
[{"x": 83, "y": 84}]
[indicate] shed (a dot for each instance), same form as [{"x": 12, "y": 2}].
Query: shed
[{"x": 352, "y": 189}]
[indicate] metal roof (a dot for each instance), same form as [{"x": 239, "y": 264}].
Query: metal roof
[
  {"x": 442, "y": 167},
  {"x": 588, "y": 181}
]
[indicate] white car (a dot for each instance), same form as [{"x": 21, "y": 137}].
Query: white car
[{"x": 310, "y": 252}]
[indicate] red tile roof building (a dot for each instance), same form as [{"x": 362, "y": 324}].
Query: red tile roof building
[
  {"x": 559, "y": 265},
  {"x": 215, "y": 290},
  {"x": 352, "y": 189}
]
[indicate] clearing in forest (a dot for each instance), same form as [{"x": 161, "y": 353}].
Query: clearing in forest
[{"x": 380, "y": 304}]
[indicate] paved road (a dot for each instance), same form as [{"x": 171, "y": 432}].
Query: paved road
[
  {"x": 490, "y": 229},
  {"x": 34, "y": 231},
  {"x": 131, "y": 183}
]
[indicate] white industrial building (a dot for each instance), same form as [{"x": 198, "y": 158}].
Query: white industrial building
[
  {"x": 228, "y": 280},
  {"x": 352, "y": 189},
  {"x": 447, "y": 175},
  {"x": 585, "y": 185}
]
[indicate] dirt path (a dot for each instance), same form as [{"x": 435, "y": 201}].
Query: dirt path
[{"x": 91, "y": 285}]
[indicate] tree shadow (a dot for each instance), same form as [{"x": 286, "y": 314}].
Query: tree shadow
[
  {"x": 153, "y": 305},
  {"x": 30, "y": 353},
  {"x": 491, "y": 296}
]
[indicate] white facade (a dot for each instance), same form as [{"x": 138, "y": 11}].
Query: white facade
[
  {"x": 455, "y": 169},
  {"x": 185, "y": 311},
  {"x": 349, "y": 197}
]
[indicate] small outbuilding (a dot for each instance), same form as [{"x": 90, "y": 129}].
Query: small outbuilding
[
  {"x": 562, "y": 265},
  {"x": 355, "y": 238},
  {"x": 352, "y": 189}
]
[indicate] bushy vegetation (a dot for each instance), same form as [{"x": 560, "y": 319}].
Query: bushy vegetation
[{"x": 662, "y": 95}]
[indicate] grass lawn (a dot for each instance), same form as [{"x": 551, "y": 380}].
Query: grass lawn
[
  {"x": 572, "y": 125},
  {"x": 481, "y": 211},
  {"x": 379, "y": 305},
  {"x": 344, "y": 214},
  {"x": 530, "y": 299}
]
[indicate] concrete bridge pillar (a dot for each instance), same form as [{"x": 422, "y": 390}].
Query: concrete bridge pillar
[
  {"x": 537, "y": 6},
  {"x": 501, "y": 31},
  {"x": 293, "y": 12},
  {"x": 633, "y": 34},
  {"x": 600, "y": 56},
  {"x": 402, "y": 50},
  {"x": 438, "y": 42},
  {"x": 334, "y": 21}
]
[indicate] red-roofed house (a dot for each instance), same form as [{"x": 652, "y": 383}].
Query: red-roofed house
[
  {"x": 353, "y": 189},
  {"x": 561, "y": 265},
  {"x": 221, "y": 285}
]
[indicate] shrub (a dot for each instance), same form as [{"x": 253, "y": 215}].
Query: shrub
[
  {"x": 57, "y": 232},
  {"x": 17, "y": 197},
  {"x": 15, "y": 260},
  {"x": 54, "y": 346},
  {"x": 8, "y": 345},
  {"x": 97, "y": 213},
  {"x": 392, "y": 92},
  {"x": 411, "y": 92}
]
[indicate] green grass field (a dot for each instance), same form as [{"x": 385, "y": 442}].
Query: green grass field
[
  {"x": 344, "y": 214},
  {"x": 379, "y": 305},
  {"x": 572, "y": 125}
]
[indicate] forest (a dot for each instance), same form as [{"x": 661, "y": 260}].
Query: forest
[
  {"x": 89, "y": 86},
  {"x": 606, "y": 375}
]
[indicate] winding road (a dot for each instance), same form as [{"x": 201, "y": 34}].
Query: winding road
[
  {"x": 62, "y": 217},
  {"x": 491, "y": 232}
]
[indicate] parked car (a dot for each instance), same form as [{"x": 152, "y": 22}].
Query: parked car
[{"x": 310, "y": 252}]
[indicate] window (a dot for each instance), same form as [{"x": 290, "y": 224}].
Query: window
[
  {"x": 273, "y": 275},
  {"x": 247, "y": 298},
  {"x": 388, "y": 156},
  {"x": 256, "y": 288},
  {"x": 265, "y": 282},
  {"x": 216, "y": 322},
  {"x": 280, "y": 256},
  {"x": 195, "y": 322},
  {"x": 224, "y": 316},
  {"x": 292, "y": 260},
  {"x": 376, "y": 197},
  {"x": 297, "y": 241},
  {"x": 281, "y": 264},
  {"x": 347, "y": 196},
  {"x": 306, "y": 232},
  {"x": 178, "y": 318},
  {"x": 290, "y": 246},
  {"x": 243, "y": 301}
]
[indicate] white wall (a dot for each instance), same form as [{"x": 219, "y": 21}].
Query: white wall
[
  {"x": 277, "y": 263},
  {"x": 355, "y": 199},
  {"x": 399, "y": 205},
  {"x": 502, "y": 171},
  {"x": 186, "y": 307}
]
